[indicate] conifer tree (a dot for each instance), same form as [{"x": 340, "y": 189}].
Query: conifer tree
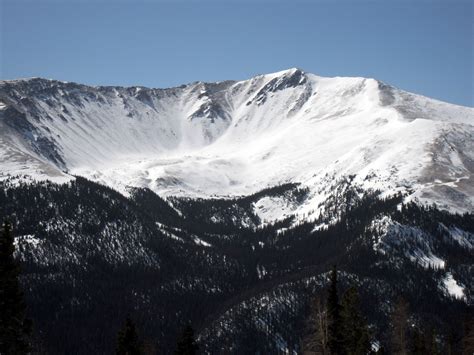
[
  {"x": 431, "y": 343},
  {"x": 452, "y": 339},
  {"x": 334, "y": 316},
  {"x": 127, "y": 342},
  {"x": 317, "y": 339},
  {"x": 186, "y": 344},
  {"x": 419, "y": 343},
  {"x": 468, "y": 338},
  {"x": 355, "y": 332},
  {"x": 399, "y": 328},
  {"x": 14, "y": 327}
]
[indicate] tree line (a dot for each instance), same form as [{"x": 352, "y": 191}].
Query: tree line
[
  {"x": 338, "y": 327},
  {"x": 306, "y": 247},
  {"x": 16, "y": 329}
]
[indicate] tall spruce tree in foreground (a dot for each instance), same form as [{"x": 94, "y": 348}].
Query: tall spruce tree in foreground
[
  {"x": 186, "y": 344},
  {"x": 316, "y": 341},
  {"x": 15, "y": 329},
  {"x": 400, "y": 327},
  {"x": 127, "y": 342},
  {"x": 419, "y": 343},
  {"x": 468, "y": 338},
  {"x": 335, "y": 343},
  {"x": 355, "y": 332}
]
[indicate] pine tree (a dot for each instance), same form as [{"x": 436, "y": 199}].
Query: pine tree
[
  {"x": 186, "y": 344},
  {"x": 399, "y": 328},
  {"x": 334, "y": 316},
  {"x": 419, "y": 343},
  {"x": 149, "y": 348},
  {"x": 127, "y": 342},
  {"x": 431, "y": 343},
  {"x": 355, "y": 332},
  {"x": 452, "y": 339},
  {"x": 317, "y": 339},
  {"x": 468, "y": 338},
  {"x": 15, "y": 329}
]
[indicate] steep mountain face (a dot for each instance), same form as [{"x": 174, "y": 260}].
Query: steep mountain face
[
  {"x": 236, "y": 138},
  {"x": 226, "y": 204}
]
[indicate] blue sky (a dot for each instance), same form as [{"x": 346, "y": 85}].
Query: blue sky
[{"x": 424, "y": 46}]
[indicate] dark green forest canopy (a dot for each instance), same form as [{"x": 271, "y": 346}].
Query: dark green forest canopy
[{"x": 90, "y": 241}]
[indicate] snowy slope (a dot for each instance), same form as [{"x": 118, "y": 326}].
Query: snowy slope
[{"x": 235, "y": 138}]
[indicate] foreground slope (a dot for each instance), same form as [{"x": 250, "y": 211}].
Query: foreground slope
[
  {"x": 235, "y": 138},
  {"x": 90, "y": 256}
]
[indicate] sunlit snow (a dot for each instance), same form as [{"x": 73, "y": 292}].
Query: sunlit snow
[
  {"x": 452, "y": 287},
  {"x": 235, "y": 138}
]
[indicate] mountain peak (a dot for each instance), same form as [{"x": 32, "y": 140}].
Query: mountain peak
[
  {"x": 285, "y": 74},
  {"x": 238, "y": 137}
]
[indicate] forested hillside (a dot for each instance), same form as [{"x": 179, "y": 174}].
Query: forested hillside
[{"x": 90, "y": 257}]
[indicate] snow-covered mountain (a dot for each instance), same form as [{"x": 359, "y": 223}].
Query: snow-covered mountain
[
  {"x": 236, "y": 138},
  {"x": 305, "y": 152}
]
